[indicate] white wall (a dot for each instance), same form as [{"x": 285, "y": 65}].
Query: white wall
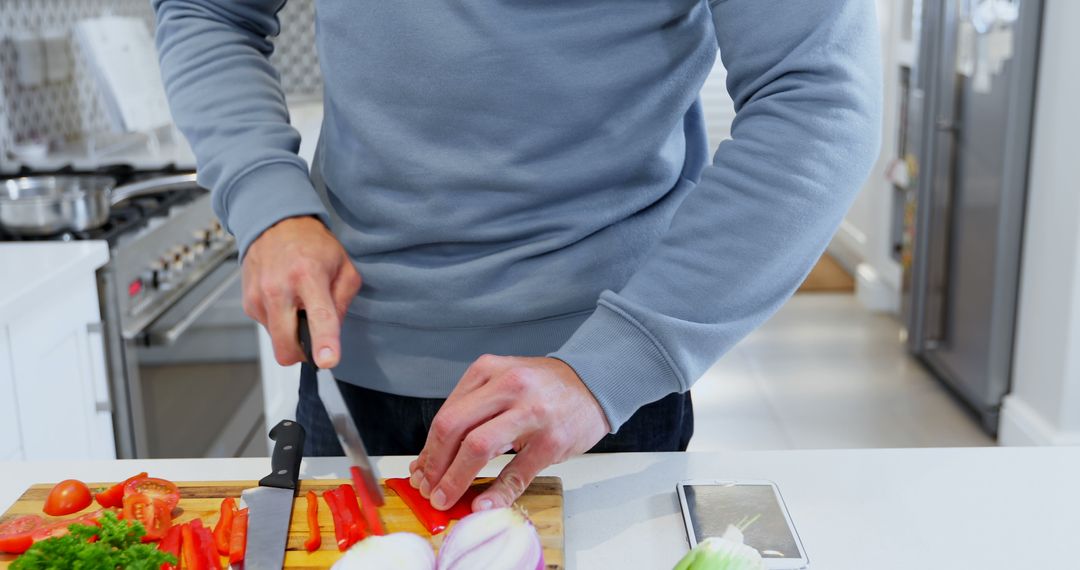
[{"x": 1044, "y": 406}]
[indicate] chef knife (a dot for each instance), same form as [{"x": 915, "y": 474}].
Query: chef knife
[
  {"x": 270, "y": 504},
  {"x": 334, "y": 403}
]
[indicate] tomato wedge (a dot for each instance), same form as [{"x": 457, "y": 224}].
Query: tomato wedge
[
  {"x": 67, "y": 497},
  {"x": 155, "y": 515},
  {"x": 17, "y": 534},
  {"x": 238, "y": 540},
  {"x": 160, "y": 489},
  {"x": 223, "y": 528},
  {"x": 114, "y": 496},
  {"x": 314, "y": 540},
  {"x": 171, "y": 545}
]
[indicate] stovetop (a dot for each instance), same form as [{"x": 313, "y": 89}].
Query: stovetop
[{"x": 128, "y": 216}]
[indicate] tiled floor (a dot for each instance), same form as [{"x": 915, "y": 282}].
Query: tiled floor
[{"x": 825, "y": 373}]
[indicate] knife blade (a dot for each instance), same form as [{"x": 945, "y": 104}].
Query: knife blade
[
  {"x": 346, "y": 431},
  {"x": 270, "y": 504}
]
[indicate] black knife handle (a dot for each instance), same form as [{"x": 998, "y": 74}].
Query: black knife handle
[
  {"x": 303, "y": 333},
  {"x": 288, "y": 439}
]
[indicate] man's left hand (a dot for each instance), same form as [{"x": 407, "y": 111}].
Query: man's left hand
[{"x": 537, "y": 406}]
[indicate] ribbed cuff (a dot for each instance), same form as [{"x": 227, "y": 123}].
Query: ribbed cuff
[
  {"x": 266, "y": 195},
  {"x": 620, "y": 362}
]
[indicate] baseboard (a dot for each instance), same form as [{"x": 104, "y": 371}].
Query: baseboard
[
  {"x": 847, "y": 246},
  {"x": 873, "y": 292},
  {"x": 1021, "y": 425}
]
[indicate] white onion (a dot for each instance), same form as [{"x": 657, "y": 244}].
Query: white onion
[
  {"x": 400, "y": 550},
  {"x": 497, "y": 539}
]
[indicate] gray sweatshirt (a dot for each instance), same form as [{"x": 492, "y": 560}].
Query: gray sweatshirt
[{"x": 532, "y": 177}]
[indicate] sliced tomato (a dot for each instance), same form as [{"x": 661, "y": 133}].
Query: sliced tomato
[
  {"x": 16, "y": 535},
  {"x": 114, "y": 496},
  {"x": 160, "y": 489},
  {"x": 155, "y": 515},
  {"x": 238, "y": 540},
  {"x": 67, "y": 497}
]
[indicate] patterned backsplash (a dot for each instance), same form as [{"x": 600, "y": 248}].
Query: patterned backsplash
[{"x": 65, "y": 110}]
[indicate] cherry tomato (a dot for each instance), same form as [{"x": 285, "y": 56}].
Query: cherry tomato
[
  {"x": 160, "y": 489},
  {"x": 154, "y": 515},
  {"x": 16, "y": 535},
  {"x": 68, "y": 496},
  {"x": 114, "y": 496}
]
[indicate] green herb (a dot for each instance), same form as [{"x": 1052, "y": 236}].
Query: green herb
[{"x": 118, "y": 546}]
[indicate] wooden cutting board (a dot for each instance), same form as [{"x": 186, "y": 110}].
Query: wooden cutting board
[{"x": 543, "y": 501}]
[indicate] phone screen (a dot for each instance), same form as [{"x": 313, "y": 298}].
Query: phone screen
[{"x": 713, "y": 507}]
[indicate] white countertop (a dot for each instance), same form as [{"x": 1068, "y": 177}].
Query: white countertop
[
  {"x": 986, "y": 508},
  {"x": 30, "y": 268}
]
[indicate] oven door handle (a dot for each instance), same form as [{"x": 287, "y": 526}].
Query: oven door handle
[{"x": 173, "y": 333}]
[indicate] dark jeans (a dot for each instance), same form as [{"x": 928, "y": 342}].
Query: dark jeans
[{"x": 398, "y": 425}]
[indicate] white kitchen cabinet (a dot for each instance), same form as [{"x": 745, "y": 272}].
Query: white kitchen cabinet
[
  {"x": 54, "y": 395},
  {"x": 10, "y": 444},
  {"x": 59, "y": 371}
]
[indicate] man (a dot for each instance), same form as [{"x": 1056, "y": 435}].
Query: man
[{"x": 526, "y": 179}]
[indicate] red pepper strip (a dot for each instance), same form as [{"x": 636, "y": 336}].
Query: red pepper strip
[
  {"x": 314, "y": 540},
  {"x": 207, "y": 548},
  {"x": 341, "y": 526},
  {"x": 238, "y": 540},
  {"x": 171, "y": 545},
  {"x": 223, "y": 528},
  {"x": 434, "y": 520},
  {"x": 356, "y": 521},
  {"x": 367, "y": 501},
  {"x": 193, "y": 559}
]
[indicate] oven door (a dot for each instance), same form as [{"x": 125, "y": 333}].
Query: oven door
[{"x": 193, "y": 376}]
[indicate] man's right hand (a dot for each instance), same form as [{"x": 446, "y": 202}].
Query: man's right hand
[{"x": 298, "y": 264}]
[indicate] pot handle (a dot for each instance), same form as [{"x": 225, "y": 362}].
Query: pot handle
[{"x": 151, "y": 186}]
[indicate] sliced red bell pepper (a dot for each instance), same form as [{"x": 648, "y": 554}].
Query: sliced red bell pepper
[
  {"x": 114, "y": 496},
  {"x": 171, "y": 545},
  {"x": 207, "y": 548},
  {"x": 193, "y": 559},
  {"x": 223, "y": 528},
  {"x": 238, "y": 540},
  {"x": 434, "y": 520},
  {"x": 341, "y": 524},
  {"x": 367, "y": 502},
  {"x": 314, "y": 540},
  {"x": 356, "y": 520}
]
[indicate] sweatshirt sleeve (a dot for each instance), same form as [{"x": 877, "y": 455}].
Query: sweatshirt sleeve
[
  {"x": 227, "y": 100},
  {"x": 806, "y": 81}
]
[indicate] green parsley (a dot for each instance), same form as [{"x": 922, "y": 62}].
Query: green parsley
[{"x": 119, "y": 545}]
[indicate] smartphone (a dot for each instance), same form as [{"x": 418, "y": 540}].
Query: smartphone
[{"x": 710, "y": 505}]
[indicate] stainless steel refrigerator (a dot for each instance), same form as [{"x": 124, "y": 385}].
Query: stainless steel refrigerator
[{"x": 967, "y": 107}]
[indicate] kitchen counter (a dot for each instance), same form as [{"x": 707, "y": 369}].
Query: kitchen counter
[
  {"x": 45, "y": 268},
  {"x": 984, "y": 508}
]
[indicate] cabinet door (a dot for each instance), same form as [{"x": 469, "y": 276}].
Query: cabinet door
[
  {"x": 56, "y": 384},
  {"x": 9, "y": 418}
]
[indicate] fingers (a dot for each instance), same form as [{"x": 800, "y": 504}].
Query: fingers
[
  {"x": 345, "y": 287},
  {"x": 323, "y": 319},
  {"x": 488, "y": 440},
  {"x": 516, "y": 476},
  {"x": 281, "y": 324},
  {"x": 451, "y": 429}
]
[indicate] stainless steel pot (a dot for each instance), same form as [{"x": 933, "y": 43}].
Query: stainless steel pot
[{"x": 47, "y": 205}]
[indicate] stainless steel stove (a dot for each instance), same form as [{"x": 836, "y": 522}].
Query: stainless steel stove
[{"x": 170, "y": 260}]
